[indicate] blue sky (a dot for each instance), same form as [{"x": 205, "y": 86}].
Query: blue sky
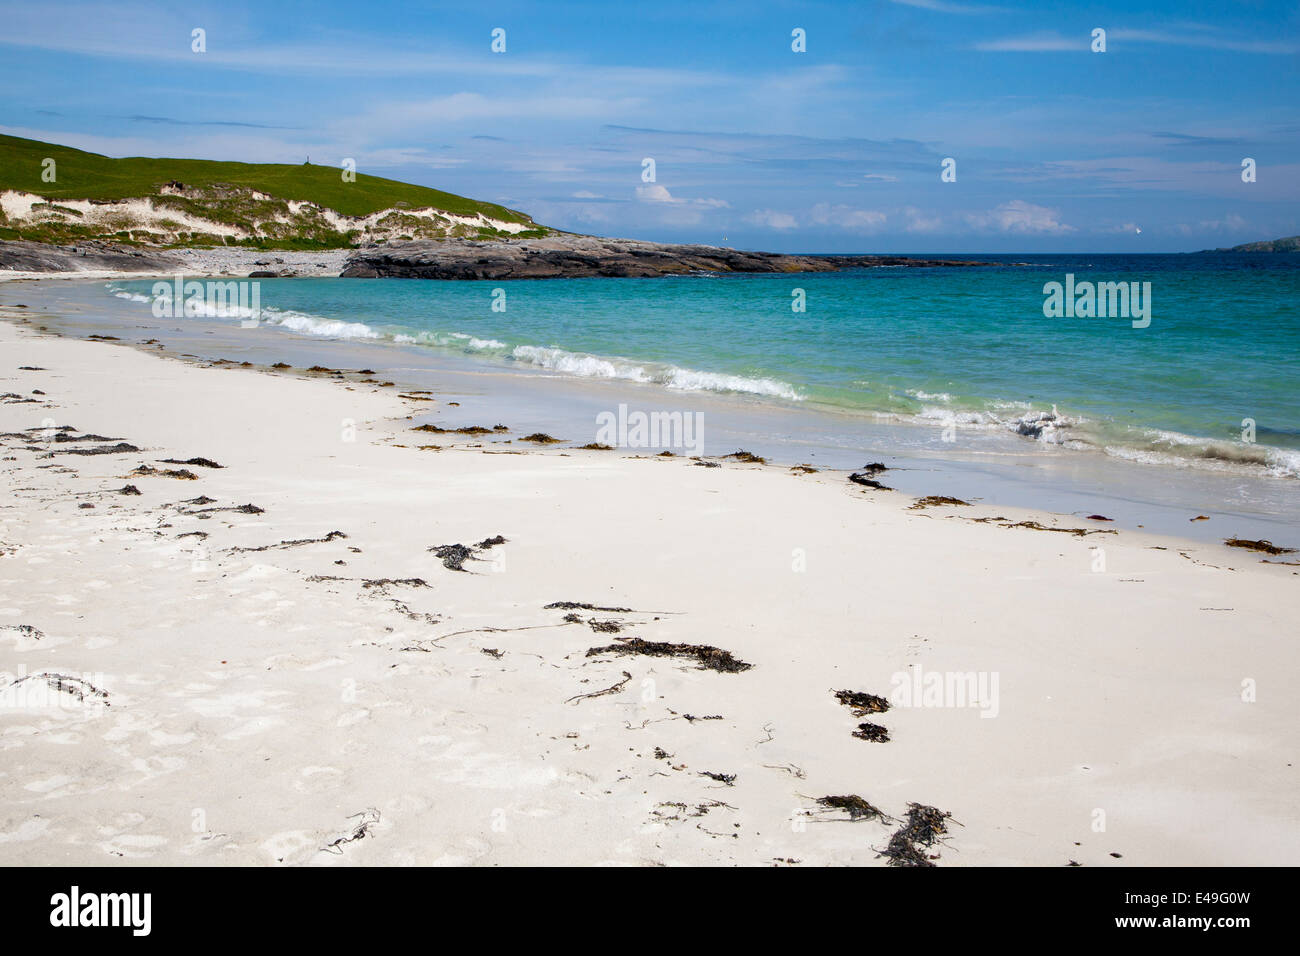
[{"x": 838, "y": 148}]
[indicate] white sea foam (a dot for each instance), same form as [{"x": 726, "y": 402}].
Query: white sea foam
[
  {"x": 316, "y": 325},
  {"x": 671, "y": 376}
]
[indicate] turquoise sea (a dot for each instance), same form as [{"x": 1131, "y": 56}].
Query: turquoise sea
[{"x": 1210, "y": 382}]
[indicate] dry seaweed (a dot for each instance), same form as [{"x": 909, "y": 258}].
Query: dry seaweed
[
  {"x": 466, "y": 430},
  {"x": 453, "y": 556},
  {"x": 541, "y": 438},
  {"x": 854, "y": 806},
  {"x": 148, "y": 471},
  {"x": 612, "y": 689},
  {"x": 121, "y": 448},
  {"x": 705, "y": 656},
  {"x": 1077, "y": 532},
  {"x": 595, "y": 446},
  {"x": 67, "y": 684},
  {"x": 1267, "y": 547},
  {"x": 296, "y": 542},
  {"x": 385, "y": 582},
  {"x": 578, "y": 606},
  {"x": 931, "y": 501},
  {"x": 745, "y": 456},
  {"x": 923, "y": 827},
  {"x": 872, "y": 732},
  {"x": 201, "y": 462},
  {"x": 862, "y": 704},
  {"x": 725, "y": 778},
  {"x": 365, "y": 820}
]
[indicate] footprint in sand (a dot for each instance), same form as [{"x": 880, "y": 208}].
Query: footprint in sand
[
  {"x": 59, "y": 785},
  {"x": 133, "y": 846},
  {"x": 291, "y": 847},
  {"x": 318, "y": 779}
]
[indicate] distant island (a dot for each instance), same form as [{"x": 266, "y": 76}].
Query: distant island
[{"x": 1289, "y": 244}]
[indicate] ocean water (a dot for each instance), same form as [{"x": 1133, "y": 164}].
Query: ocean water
[{"x": 1211, "y": 381}]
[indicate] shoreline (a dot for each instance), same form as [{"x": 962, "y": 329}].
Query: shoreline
[
  {"x": 987, "y": 465},
  {"x": 384, "y": 708}
]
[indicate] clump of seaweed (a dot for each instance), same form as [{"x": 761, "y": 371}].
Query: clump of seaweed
[
  {"x": 706, "y": 656},
  {"x": 862, "y": 704},
  {"x": 729, "y": 779},
  {"x": 745, "y": 456},
  {"x": 597, "y": 625},
  {"x": 931, "y": 501},
  {"x": 923, "y": 827},
  {"x": 128, "y": 490},
  {"x": 854, "y": 806},
  {"x": 865, "y": 479},
  {"x": 872, "y": 732},
  {"x": 454, "y": 556},
  {"x": 541, "y": 438},
  {"x": 200, "y": 462},
  {"x": 467, "y": 430},
  {"x": 147, "y": 471},
  {"x": 579, "y": 606},
  {"x": 596, "y": 446},
  {"x": 1268, "y": 547},
  {"x": 121, "y": 448},
  {"x": 1077, "y": 532},
  {"x": 804, "y": 469}
]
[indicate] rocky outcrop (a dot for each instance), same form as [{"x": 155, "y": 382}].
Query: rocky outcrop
[
  {"x": 579, "y": 256},
  {"x": 84, "y": 257}
]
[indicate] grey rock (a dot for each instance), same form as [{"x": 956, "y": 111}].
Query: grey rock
[
  {"x": 22, "y": 256},
  {"x": 577, "y": 256}
]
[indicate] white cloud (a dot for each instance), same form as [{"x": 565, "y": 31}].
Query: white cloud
[
  {"x": 653, "y": 192},
  {"x": 1038, "y": 43},
  {"x": 847, "y": 217},
  {"x": 772, "y": 219},
  {"x": 942, "y": 6},
  {"x": 919, "y": 221},
  {"x": 1021, "y": 217}
]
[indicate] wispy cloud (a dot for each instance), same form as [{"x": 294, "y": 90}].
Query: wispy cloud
[
  {"x": 943, "y": 6},
  {"x": 1018, "y": 216}
]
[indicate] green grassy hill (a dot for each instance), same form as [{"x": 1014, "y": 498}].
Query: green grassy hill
[{"x": 224, "y": 193}]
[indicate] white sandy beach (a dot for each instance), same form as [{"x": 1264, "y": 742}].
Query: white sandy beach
[{"x": 287, "y": 706}]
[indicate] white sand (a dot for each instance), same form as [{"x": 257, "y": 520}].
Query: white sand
[{"x": 256, "y": 717}]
